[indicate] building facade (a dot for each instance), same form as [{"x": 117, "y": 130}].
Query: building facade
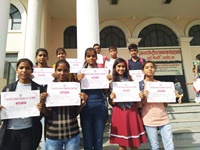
[{"x": 159, "y": 29}]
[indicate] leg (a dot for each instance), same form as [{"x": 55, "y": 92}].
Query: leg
[
  {"x": 11, "y": 140},
  {"x": 53, "y": 144},
  {"x": 167, "y": 136},
  {"x": 100, "y": 117},
  {"x": 153, "y": 137},
  {"x": 87, "y": 126},
  {"x": 73, "y": 143},
  {"x": 26, "y": 136},
  {"x": 122, "y": 148}
]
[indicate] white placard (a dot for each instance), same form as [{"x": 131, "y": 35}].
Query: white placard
[
  {"x": 20, "y": 104},
  {"x": 196, "y": 85},
  {"x": 43, "y": 76},
  {"x": 160, "y": 92},
  {"x": 163, "y": 69},
  {"x": 63, "y": 94},
  {"x": 126, "y": 91},
  {"x": 99, "y": 59},
  {"x": 75, "y": 64},
  {"x": 137, "y": 75},
  {"x": 94, "y": 78}
]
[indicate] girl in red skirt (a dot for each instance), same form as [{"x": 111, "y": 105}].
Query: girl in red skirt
[{"x": 126, "y": 125}]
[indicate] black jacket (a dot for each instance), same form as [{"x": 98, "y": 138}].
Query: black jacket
[{"x": 37, "y": 126}]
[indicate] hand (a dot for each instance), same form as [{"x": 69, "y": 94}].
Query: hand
[
  {"x": 83, "y": 97},
  {"x": 80, "y": 77},
  {"x": 43, "y": 97},
  {"x": 145, "y": 93},
  {"x": 40, "y": 106},
  {"x": 112, "y": 95},
  {"x": 141, "y": 94},
  {"x": 1, "y": 107}
]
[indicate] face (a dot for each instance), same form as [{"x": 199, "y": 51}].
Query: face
[
  {"x": 149, "y": 69},
  {"x": 98, "y": 49},
  {"x": 62, "y": 72},
  {"x": 42, "y": 57},
  {"x": 113, "y": 53},
  {"x": 61, "y": 55},
  {"x": 91, "y": 58},
  {"x": 133, "y": 52},
  {"x": 120, "y": 68},
  {"x": 24, "y": 71}
]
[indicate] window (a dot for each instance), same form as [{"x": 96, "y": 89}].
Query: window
[
  {"x": 112, "y": 36},
  {"x": 195, "y": 33},
  {"x": 70, "y": 37},
  {"x": 157, "y": 35},
  {"x": 10, "y": 67},
  {"x": 14, "y": 18}
]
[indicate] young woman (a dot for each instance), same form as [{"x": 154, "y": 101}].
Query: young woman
[
  {"x": 94, "y": 113},
  {"x": 154, "y": 115},
  {"x": 62, "y": 55},
  {"x": 61, "y": 122},
  {"x": 127, "y": 131},
  {"x": 22, "y": 133},
  {"x": 42, "y": 58}
]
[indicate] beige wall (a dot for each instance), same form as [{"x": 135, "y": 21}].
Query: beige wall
[{"x": 53, "y": 30}]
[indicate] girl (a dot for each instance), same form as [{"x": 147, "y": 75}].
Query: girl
[
  {"x": 22, "y": 133},
  {"x": 154, "y": 115},
  {"x": 197, "y": 75},
  {"x": 41, "y": 57},
  {"x": 127, "y": 131},
  {"x": 197, "y": 67},
  {"x": 94, "y": 114},
  {"x": 62, "y": 55},
  {"x": 61, "y": 122}
]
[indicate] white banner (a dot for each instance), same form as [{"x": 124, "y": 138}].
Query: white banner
[{"x": 168, "y": 69}]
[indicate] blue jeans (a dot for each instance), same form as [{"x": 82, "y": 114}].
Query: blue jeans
[
  {"x": 70, "y": 144},
  {"x": 166, "y": 134},
  {"x": 93, "y": 119}
]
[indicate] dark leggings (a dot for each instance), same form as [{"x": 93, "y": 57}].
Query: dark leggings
[{"x": 18, "y": 139}]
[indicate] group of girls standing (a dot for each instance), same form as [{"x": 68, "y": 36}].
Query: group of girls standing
[{"x": 61, "y": 125}]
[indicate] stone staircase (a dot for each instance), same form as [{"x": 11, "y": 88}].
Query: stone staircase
[{"x": 185, "y": 121}]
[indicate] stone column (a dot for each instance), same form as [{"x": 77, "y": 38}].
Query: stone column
[
  {"x": 187, "y": 63},
  {"x": 4, "y": 16},
  {"x": 87, "y": 25},
  {"x": 33, "y": 29}
]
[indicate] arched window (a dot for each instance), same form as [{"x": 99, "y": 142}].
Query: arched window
[
  {"x": 70, "y": 37},
  {"x": 14, "y": 18},
  {"x": 112, "y": 36},
  {"x": 195, "y": 33},
  {"x": 157, "y": 35}
]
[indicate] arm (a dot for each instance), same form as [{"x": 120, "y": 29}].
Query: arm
[
  {"x": 112, "y": 96},
  {"x": 195, "y": 72},
  {"x": 84, "y": 98},
  {"x": 42, "y": 106}
]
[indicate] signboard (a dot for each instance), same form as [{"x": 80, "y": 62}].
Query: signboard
[
  {"x": 161, "y": 55},
  {"x": 168, "y": 69}
]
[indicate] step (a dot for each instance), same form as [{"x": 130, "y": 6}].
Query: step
[
  {"x": 183, "y": 107},
  {"x": 185, "y": 123},
  {"x": 186, "y": 133},
  {"x": 178, "y": 144},
  {"x": 184, "y": 114}
]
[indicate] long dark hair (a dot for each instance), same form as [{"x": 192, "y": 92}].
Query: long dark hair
[
  {"x": 58, "y": 63},
  {"x": 90, "y": 49},
  {"x": 115, "y": 75},
  {"x": 25, "y": 60}
]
